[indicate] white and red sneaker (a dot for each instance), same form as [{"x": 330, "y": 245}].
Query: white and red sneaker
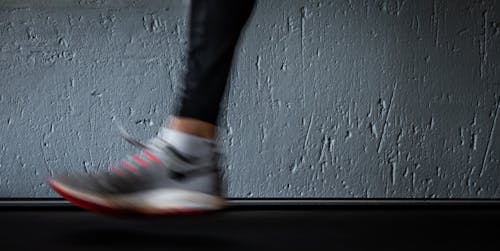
[{"x": 156, "y": 181}]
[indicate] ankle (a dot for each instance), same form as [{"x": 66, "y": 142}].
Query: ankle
[{"x": 193, "y": 127}]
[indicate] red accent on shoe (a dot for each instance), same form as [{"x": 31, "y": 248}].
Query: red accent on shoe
[
  {"x": 140, "y": 161},
  {"x": 87, "y": 205},
  {"x": 128, "y": 166},
  {"x": 102, "y": 209},
  {"x": 152, "y": 157}
]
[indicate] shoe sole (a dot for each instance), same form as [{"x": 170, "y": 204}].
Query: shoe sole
[{"x": 155, "y": 202}]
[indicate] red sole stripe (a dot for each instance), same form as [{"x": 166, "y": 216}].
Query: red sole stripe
[{"x": 101, "y": 209}]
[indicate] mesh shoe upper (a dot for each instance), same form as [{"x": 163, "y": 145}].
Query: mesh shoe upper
[{"x": 156, "y": 166}]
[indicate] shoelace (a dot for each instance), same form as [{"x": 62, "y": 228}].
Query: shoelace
[
  {"x": 149, "y": 145},
  {"x": 128, "y": 137}
]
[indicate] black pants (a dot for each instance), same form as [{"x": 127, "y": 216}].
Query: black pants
[{"x": 215, "y": 27}]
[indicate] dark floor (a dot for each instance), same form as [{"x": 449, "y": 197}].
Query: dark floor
[{"x": 253, "y": 228}]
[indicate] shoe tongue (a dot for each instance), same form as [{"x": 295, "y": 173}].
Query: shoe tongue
[{"x": 179, "y": 162}]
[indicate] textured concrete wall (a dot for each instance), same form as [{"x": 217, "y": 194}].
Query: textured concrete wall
[{"x": 385, "y": 98}]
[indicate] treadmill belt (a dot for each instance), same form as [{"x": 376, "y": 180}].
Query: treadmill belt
[{"x": 255, "y": 228}]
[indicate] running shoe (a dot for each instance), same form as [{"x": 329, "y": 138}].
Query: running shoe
[{"x": 155, "y": 181}]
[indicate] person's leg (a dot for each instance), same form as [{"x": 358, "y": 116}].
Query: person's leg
[
  {"x": 177, "y": 171},
  {"x": 215, "y": 27}
]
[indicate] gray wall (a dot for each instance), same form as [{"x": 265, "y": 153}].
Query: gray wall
[{"x": 358, "y": 99}]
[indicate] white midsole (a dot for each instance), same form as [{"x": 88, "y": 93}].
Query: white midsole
[{"x": 157, "y": 200}]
